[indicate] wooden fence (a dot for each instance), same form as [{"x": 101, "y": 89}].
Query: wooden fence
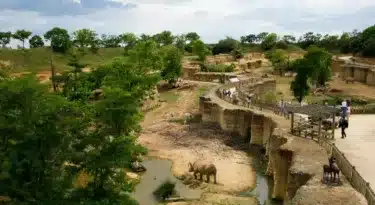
[{"x": 350, "y": 172}]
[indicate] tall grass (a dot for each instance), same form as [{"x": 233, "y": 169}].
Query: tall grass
[{"x": 38, "y": 59}]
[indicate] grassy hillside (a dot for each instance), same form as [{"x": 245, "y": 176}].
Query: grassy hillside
[{"x": 37, "y": 59}]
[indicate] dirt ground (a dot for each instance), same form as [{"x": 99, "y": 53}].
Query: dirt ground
[
  {"x": 356, "y": 89},
  {"x": 187, "y": 143}
]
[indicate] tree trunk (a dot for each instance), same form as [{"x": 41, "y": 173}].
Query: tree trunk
[{"x": 52, "y": 73}]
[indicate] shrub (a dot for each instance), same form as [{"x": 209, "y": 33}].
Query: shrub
[
  {"x": 165, "y": 190},
  {"x": 281, "y": 45},
  {"x": 226, "y": 45},
  {"x": 237, "y": 54},
  {"x": 217, "y": 68}
]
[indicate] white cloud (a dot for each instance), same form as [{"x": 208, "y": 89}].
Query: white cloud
[
  {"x": 76, "y": 1},
  {"x": 212, "y": 19}
]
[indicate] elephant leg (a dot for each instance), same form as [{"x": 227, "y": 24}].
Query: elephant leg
[
  {"x": 207, "y": 178},
  {"x": 215, "y": 178},
  {"x": 201, "y": 176},
  {"x": 195, "y": 175}
]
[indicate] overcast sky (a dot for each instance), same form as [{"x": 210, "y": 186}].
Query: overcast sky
[{"x": 212, "y": 19}]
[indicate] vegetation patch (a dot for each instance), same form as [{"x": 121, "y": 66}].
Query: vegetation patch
[
  {"x": 217, "y": 68},
  {"x": 165, "y": 190}
]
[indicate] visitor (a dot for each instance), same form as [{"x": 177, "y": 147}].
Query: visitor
[
  {"x": 344, "y": 108},
  {"x": 248, "y": 100},
  {"x": 281, "y": 104},
  {"x": 343, "y": 124}
]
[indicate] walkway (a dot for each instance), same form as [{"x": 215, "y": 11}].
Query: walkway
[{"x": 359, "y": 145}]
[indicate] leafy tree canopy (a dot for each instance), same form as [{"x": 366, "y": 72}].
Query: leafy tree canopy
[
  {"x": 200, "y": 49},
  {"x": 22, "y": 35},
  {"x": 36, "y": 42},
  {"x": 269, "y": 41},
  {"x": 5, "y": 38},
  {"x": 172, "y": 68},
  {"x": 225, "y": 46},
  {"x": 192, "y": 36},
  {"x": 60, "y": 39}
]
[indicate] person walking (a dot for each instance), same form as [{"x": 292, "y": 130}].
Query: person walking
[
  {"x": 344, "y": 108},
  {"x": 343, "y": 124}
]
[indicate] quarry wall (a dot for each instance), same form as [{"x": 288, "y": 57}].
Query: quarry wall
[{"x": 289, "y": 161}]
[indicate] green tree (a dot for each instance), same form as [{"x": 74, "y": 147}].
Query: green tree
[
  {"x": 22, "y": 35},
  {"x": 38, "y": 129},
  {"x": 367, "y": 41},
  {"x": 84, "y": 37},
  {"x": 192, "y": 36},
  {"x": 226, "y": 45},
  {"x": 5, "y": 38},
  {"x": 278, "y": 59},
  {"x": 36, "y": 41},
  {"x": 269, "y": 41},
  {"x": 200, "y": 49},
  {"x": 164, "y": 38},
  {"x": 344, "y": 43},
  {"x": 330, "y": 42},
  {"x": 299, "y": 86},
  {"x": 146, "y": 56},
  {"x": 318, "y": 61},
  {"x": 281, "y": 45},
  {"x": 289, "y": 39},
  {"x": 113, "y": 144},
  {"x": 261, "y": 36},
  {"x": 251, "y": 38},
  {"x": 309, "y": 39},
  {"x": 110, "y": 41},
  {"x": 129, "y": 40},
  {"x": 181, "y": 43},
  {"x": 172, "y": 68},
  {"x": 60, "y": 39},
  {"x": 145, "y": 37}
]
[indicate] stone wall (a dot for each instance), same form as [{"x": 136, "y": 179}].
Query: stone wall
[
  {"x": 336, "y": 65},
  {"x": 212, "y": 77},
  {"x": 290, "y": 162},
  {"x": 370, "y": 61},
  {"x": 219, "y": 59},
  {"x": 253, "y": 55},
  {"x": 248, "y": 65},
  {"x": 359, "y": 72},
  {"x": 190, "y": 71}
]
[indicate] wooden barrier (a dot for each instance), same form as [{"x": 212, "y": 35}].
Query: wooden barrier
[{"x": 349, "y": 171}]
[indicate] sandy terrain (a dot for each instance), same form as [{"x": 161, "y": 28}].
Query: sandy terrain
[{"x": 184, "y": 143}]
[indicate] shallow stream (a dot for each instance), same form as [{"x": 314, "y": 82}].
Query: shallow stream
[{"x": 159, "y": 170}]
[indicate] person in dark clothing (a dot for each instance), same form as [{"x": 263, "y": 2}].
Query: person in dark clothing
[{"x": 343, "y": 124}]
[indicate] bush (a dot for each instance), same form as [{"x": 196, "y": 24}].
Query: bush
[
  {"x": 237, "y": 54},
  {"x": 225, "y": 46},
  {"x": 281, "y": 45},
  {"x": 165, "y": 190},
  {"x": 217, "y": 68}
]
